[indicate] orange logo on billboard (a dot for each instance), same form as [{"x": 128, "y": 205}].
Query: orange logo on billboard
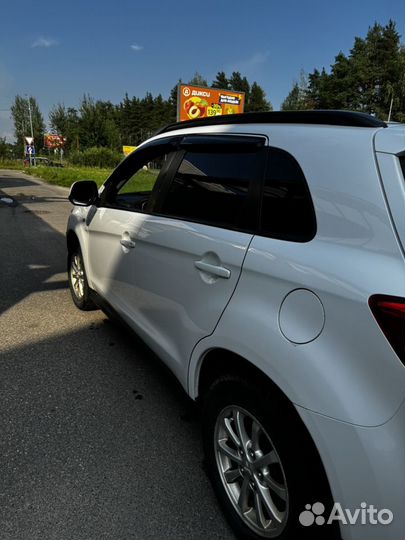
[{"x": 201, "y": 102}]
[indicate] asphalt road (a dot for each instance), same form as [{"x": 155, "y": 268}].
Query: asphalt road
[{"x": 97, "y": 440}]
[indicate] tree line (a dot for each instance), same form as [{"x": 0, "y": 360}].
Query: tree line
[
  {"x": 98, "y": 123},
  {"x": 371, "y": 78}
]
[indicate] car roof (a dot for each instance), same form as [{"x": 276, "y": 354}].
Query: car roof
[{"x": 318, "y": 117}]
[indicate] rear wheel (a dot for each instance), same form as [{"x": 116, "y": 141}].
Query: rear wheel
[
  {"x": 261, "y": 464},
  {"x": 78, "y": 284}
]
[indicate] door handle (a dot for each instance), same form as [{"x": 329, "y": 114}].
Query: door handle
[
  {"x": 219, "y": 271},
  {"x": 126, "y": 242}
]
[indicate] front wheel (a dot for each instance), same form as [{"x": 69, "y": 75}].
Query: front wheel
[
  {"x": 78, "y": 284},
  {"x": 260, "y": 462}
]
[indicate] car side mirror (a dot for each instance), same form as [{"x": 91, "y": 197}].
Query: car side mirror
[{"x": 83, "y": 193}]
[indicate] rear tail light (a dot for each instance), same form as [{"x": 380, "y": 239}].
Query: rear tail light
[{"x": 389, "y": 312}]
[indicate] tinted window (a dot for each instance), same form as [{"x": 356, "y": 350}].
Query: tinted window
[
  {"x": 287, "y": 209},
  {"x": 402, "y": 163},
  {"x": 134, "y": 189},
  {"x": 212, "y": 188}
]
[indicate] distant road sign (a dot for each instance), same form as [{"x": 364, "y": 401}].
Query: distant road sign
[{"x": 29, "y": 140}]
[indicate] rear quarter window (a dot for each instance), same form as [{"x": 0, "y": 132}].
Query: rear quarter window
[{"x": 287, "y": 210}]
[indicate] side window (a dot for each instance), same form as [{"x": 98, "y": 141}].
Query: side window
[
  {"x": 134, "y": 188},
  {"x": 287, "y": 210},
  {"x": 212, "y": 187}
]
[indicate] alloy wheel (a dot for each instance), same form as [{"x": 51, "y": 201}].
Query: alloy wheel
[
  {"x": 77, "y": 276},
  {"x": 251, "y": 471}
]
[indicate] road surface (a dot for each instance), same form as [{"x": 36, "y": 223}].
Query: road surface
[{"x": 97, "y": 440}]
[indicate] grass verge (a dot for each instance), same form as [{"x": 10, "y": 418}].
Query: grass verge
[
  {"x": 60, "y": 176},
  {"x": 66, "y": 176},
  {"x": 141, "y": 181}
]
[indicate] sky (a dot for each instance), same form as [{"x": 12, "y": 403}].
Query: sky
[{"x": 59, "y": 51}]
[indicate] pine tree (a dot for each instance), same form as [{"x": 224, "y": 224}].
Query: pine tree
[
  {"x": 220, "y": 81},
  {"x": 239, "y": 84},
  {"x": 292, "y": 101},
  {"x": 298, "y": 98},
  {"x": 257, "y": 100},
  {"x": 198, "y": 80},
  {"x": 318, "y": 95},
  {"x": 370, "y": 79},
  {"x": 173, "y": 101}
]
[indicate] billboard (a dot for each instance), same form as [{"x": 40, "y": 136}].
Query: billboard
[
  {"x": 200, "y": 102},
  {"x": 54, "y": 141}
]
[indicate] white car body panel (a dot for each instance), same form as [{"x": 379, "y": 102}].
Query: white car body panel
[
  {"x": 391, "y": 140},
  {"x": 156, "y": 286},
  {"x": 364, "y": 465},
  {"x": 394, "y": 188},
  {"x": 343, "y": 265},
  {"x": 348, "y": 372}
]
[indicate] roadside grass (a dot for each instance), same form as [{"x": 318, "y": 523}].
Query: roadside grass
[
  {"x": 66, "y": 176},
  {"x": 15, "y": 164},
  {"x": 60, "y": 176},
  {"x": 143, "y": 180}
]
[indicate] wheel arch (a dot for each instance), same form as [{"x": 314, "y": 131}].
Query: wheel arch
[
  {"x": 72, "y": 241},
  {"x": 219, "y": 363}
]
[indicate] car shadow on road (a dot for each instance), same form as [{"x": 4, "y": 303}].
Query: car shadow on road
[
  {"x": 33, "y": 256},
  {"x": 97, "y": 440},
  {"x": 7, "y": 181},
  {"x": 94, "y": 443}
]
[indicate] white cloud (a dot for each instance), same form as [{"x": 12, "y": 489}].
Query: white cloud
[
  {"x": 44, "y": 42},
  {"x": 248, "y": 64},
  {"x": 136, "y": 47}
]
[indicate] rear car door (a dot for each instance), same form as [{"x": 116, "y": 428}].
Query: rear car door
[{"x": 184, "y": 255}]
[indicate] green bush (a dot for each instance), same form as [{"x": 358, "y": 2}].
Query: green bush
[{"x": 95, "y": 157}]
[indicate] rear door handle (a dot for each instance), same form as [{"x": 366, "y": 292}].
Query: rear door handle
[
  {"x": 127, "y": 243},
  {"x": 219, "y": 271}
]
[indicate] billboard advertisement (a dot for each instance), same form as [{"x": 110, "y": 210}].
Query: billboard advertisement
[
  {"x": 200, "y": 102},
  {"x": 126, "y": 150},
  {"x": 52, "y": 141}
]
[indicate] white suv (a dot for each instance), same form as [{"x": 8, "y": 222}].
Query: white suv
[{"x": 261, "y": 256}]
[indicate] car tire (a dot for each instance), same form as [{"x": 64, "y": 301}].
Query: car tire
[
  {"x": 78, "y": 284},
  {"x": 262, "y": 464}
]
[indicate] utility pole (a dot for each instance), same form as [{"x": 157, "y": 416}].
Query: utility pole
[
  {"x": 32, "y": 131},
  {"x": 389, "y": 114},
  {"x": 390, "y": 91}
]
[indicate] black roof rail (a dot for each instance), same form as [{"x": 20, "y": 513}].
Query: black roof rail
[{"x": 325, "y": 117}]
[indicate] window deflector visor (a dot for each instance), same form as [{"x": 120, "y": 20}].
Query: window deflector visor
[{"x": 222, "y": 143}]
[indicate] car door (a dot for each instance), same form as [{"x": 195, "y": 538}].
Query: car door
[
  {"x": 182, "y": 259},
  {"x": 122, "y": 209}
]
